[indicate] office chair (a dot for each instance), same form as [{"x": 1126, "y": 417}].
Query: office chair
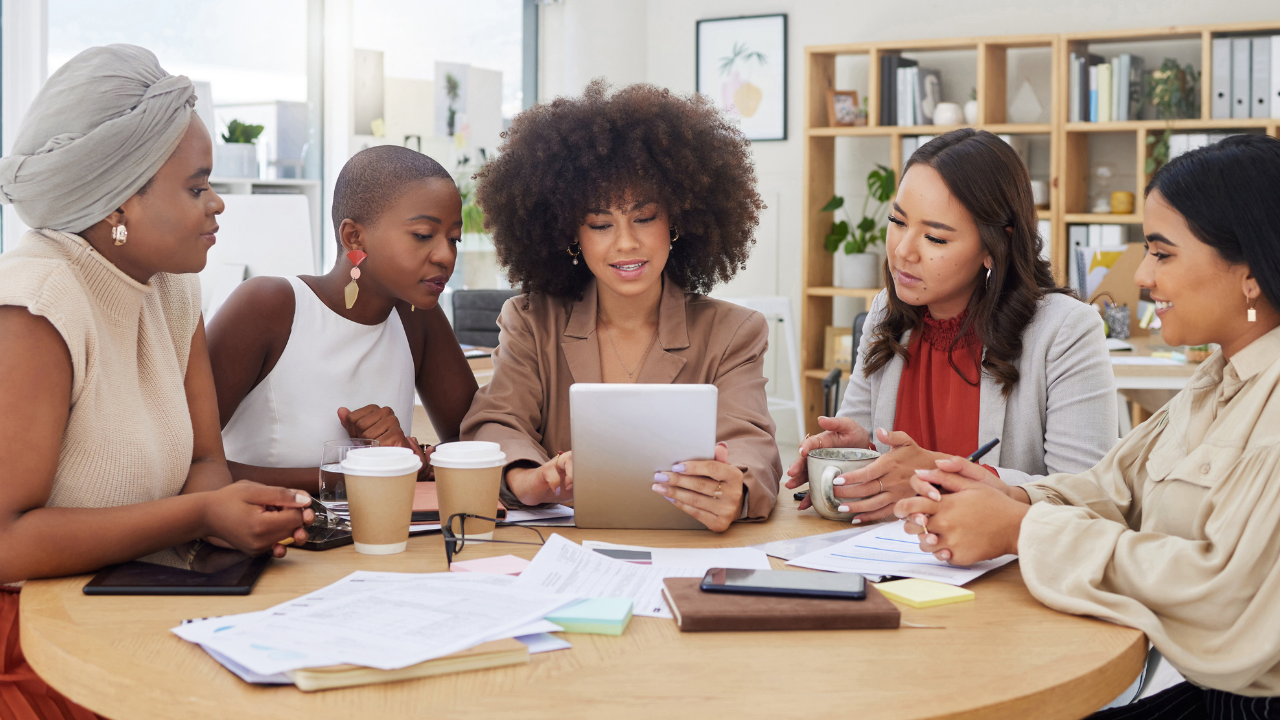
[{"x": 475, "y": 315}]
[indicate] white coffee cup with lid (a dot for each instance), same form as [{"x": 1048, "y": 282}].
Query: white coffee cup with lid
[
  {"x": 380, "y": 486},
  {"x": 468, "y": 476}
]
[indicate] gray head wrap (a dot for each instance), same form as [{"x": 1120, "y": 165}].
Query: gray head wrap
[{"x": 97, "y": 132}]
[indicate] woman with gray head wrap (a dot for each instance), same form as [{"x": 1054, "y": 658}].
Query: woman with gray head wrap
[{"x": 104, "y": 371}]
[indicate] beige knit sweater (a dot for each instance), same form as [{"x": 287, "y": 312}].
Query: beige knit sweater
[{"x": 128, "y": 439}]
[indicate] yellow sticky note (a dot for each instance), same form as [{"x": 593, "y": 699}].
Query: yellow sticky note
[{"x": 923, "y": 593}]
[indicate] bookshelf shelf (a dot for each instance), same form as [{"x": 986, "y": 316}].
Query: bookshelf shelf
[
  {"x": 1105, "y": 218},
  {"x": 1178, "y": 125},
  {"x": 864, "y": 293},
  {"x": 908, "y": 130}
]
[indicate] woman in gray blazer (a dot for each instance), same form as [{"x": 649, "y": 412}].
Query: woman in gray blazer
[{"x": 971, "y": 340}]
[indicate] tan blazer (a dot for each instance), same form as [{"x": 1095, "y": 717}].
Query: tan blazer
[{"x": 551, "y": 344}]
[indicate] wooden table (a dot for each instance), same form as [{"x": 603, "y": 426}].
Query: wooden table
[
  {"x": 1002, "y": 656},
  {"x": 1149, "y": 387}
]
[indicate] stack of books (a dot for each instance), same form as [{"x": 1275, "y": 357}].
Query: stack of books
[
  {"x": 1246, "y": 77},
  {"x": 1104, "y": 90},
  {"x": 908, "y": 92}
]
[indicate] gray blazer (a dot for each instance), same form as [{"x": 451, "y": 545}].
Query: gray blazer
[{"x": 1060, "y": 417}]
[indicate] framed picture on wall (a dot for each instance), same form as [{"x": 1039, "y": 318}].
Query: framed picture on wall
[
  {"x": 837, "y": 348},
  {"x": 842, "y": 108},
  {"x": 742, "y": 68}
]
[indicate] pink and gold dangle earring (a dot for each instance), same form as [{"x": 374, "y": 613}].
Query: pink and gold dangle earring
[{"x": 352, "y": 290}]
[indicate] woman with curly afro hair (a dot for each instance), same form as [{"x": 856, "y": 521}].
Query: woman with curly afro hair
[{"x": 615, "y": 213}]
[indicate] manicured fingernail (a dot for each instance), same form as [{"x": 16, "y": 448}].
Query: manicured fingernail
[
  {"x": 678, "y": 468},
  {"x": 921, "y": 520},
  {"x": 302, "y": 497},
  {"x": 661, "y": 477},
  {"x": 660, "y": 488},
  {"x": 557, "y": 492},
  {"x": 855, "y": 521},
  {"x": 843, "y": 508},
  {"x": 935, "y": 496},
  {"x": 838, "y": 481},
  {"x": 670, "y": 500}
]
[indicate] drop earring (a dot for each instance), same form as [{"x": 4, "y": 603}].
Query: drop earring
[
  {"x": 988, "y": 276},
  {"x": 352, "y": 290},
  {"x": 120, "y": 234},
  {"x": 1253, "y": 314},
  {"x": 574, "y": 254}
]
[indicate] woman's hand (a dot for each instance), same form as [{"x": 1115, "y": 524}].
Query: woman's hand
[
  {"x": 372, "y": 422},
  {"x": 973, "y": 521},
  {"x": 708, "y": 490},
  {"x": 875, "y": 488},
  {"x": 838, "y": 432},
  {"x": 549, "y": 483},
  {"x": 255, "y": 518}
]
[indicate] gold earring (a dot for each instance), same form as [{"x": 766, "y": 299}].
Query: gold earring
[
  {"x": 1253, "y": 314},
  {"x": 575, "y": 254},
  {"x": 120, "y": 234},
  {"x": 677, "y": 236},
  {"x": 352, "y": 290}
]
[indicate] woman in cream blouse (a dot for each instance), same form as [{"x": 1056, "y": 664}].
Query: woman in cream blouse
[
  {"x": 615, "y": 213},
  {"x": 1175, "y": 532}
]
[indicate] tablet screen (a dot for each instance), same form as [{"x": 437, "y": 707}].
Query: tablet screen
[{"x": 141, "y": 578}]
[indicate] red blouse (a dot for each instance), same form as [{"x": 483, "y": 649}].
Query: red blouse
[{"x": 936, "y": 406}]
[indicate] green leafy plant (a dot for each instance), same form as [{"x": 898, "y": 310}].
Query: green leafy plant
[
  {"x": 451, "y": 87},
  {"x": 870, "y": 229},
  {"x": 238, "y": 132},
  {"x": 1173, "y": 92},
  {"x": 472, "y": 214}
]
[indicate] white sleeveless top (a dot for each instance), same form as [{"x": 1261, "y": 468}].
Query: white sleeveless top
[{"x": 329, "y": 362}]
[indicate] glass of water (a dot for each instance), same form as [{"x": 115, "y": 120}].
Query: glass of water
[{"x": 333, "y": 487}]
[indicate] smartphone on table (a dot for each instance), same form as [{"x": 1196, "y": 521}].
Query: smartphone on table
[{"x": 841, "y": 586}]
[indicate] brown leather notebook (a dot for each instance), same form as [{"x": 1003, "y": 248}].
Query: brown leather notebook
[
  {"x": 426, "y": 504},
  {"x": 698, "y": 611}
]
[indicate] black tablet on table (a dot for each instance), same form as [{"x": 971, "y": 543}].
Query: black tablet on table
[{"x": 142, "y": 578}]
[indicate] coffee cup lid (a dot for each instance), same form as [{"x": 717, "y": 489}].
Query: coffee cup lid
[
  {"x": 381, "y": 462},
  {"x": 468, "y": 455}
]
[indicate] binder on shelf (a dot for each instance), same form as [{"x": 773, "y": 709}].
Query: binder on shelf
[
  {"x": 1115, "y": 88},
  {"x": 1104, "y": 92},
  {"x": 1275, "y": 76},
  {"x": 1260, "y": 107},
  {"x": 1134, "y": 72},
  {"x": 1093, "y": 93},
  {"x": 1221, "y": 87},
  {"x": 1241, "y": 65},
  {"x": 1073, "y": 89}
]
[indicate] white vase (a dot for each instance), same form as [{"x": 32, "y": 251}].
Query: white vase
[
  {"x": 858, "y": 270},
  {"x": 971, "y": 112},
  {"x": 235, "y": 160}
]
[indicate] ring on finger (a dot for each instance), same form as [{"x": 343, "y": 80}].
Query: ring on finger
[{"x": 881, "y": 485}]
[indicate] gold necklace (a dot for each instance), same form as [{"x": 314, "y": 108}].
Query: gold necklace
[{"x": 631, "y": 374}]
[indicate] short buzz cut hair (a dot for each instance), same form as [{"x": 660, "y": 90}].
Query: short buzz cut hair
[{"x": 374, "y": 177}]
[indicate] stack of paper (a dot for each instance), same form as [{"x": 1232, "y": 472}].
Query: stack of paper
[
  {"x": 376, "y": 620},
  {"x": 923, "y": 593},
  {"x": 597, "y": 616},
  {"x": 889, "y": 550}
]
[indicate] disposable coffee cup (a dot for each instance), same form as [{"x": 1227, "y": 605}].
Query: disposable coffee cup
[
  {"x": 467, "y": 478},
  {"x": 825, "y": 465},
  {"x": 380, "y": 483}
]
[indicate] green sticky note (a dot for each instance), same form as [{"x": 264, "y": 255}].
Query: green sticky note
[{"x": 597, "y": 616}]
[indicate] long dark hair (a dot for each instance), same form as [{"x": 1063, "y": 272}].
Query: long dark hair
[
  {"x": 1229, "y": 194},
  {"x": 990, "y": 181}
]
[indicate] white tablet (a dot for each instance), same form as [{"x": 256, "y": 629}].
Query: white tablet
[{"x": 622, "y": 435}]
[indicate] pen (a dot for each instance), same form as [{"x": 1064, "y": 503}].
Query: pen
[{"x": 977, "y": 454}]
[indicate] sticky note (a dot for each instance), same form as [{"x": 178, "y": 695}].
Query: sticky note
[
  {"x": 923, "y": 593},
  {"x": 501, "y": 565},
  {"x": 597, "y": 616}
]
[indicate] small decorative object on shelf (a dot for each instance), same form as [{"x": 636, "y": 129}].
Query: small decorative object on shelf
[
  {"x": 1174, "y": 91},
  {"x": 971, "y": 108},
  {"x": 237, "y": 157},
  {"x": 871, "y": 229},
  {"x": 1026, "y": 107},
  {"x": 1198, "y": 353},
  {"x": 842, "y": 108},
  {"x": 947, "y": 113},
  {"x": 838, "y": 348},
  {"x": 1121, "y": 202}
]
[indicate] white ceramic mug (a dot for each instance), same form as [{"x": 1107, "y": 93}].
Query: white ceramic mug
[{"x": 825, "y": 465}]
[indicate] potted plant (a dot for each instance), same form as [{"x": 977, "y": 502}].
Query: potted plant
[
  {"x": 1172, "y": 91},
  {"x": 859, "y": 268},
  {"x": 237, "y": 157}
]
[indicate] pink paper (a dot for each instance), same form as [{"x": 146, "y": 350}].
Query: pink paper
[{"x": 501, "y": 565}]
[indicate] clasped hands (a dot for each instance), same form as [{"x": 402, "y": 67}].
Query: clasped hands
[
  {"x": 372, "y": 422},
  {"x": 708, "y": 490},
  {"x": 874, "y": 489}
]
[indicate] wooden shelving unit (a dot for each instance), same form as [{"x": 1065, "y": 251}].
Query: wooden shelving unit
[
  {"x": 1069, "y": 148},
  {"x": 819, "y": 163}
]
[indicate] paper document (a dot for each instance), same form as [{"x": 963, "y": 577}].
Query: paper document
[
  {"x": 378, "y": 620},
  {"x": 554, "y": 515},
  {"x": 889, "y": 550},
  {"x": 565, "y": 568},
  {"x": 544, "y": 642},
  {"x": 701, "y": 559},
  {"x": 794, "y": 548}
]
